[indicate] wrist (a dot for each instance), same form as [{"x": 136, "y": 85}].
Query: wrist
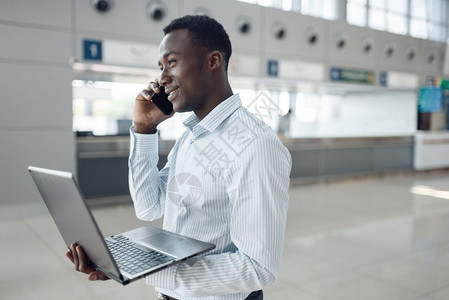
[{"x": 144, "y": 129}]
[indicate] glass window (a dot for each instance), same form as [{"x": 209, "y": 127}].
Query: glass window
[
  {"x": 377, "y": 19},
  {"x": 305, "y": 7},
  {"x": 445, "y": 12},
  {"x": 265, "y": 3},
  {"x": 428, "y": 19},
  {"x": 418, "y": 9},
  {"x": 329, "y": 10},
  {"x": 436, "y": 32},
  {"x": 309, "y": 7},
  {"x": 356, "y": 14},
  {"x": 434, "y": 10},
  {"x": 418, "y": 28},
  {"x": 361, "y": 2},
  {"x": 319, "y": 8},
  {"x": 296, "y": 5},
  {"x": 287, "y": 5},
  {"x": 396, "y": 23},
  {"x": 249, "y": 1},
  {"x": 377, "y": 3},
  {"x": 397, "y": 6}
]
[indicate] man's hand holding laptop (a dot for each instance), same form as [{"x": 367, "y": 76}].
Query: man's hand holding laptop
[{"x": 83, "y": 264}]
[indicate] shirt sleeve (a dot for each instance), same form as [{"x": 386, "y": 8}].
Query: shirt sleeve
[
  {"x": 147, "y": 185},
  {"x": 258, "y": 186}
]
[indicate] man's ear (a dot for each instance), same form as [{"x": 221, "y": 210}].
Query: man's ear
[{"x": 216, "y": 59}]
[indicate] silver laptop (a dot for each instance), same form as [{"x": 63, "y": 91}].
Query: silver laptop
[{"x": 124, "y": 257}]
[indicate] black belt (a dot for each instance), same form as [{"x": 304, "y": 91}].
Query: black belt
[
  {"x": 257, "y": 295},
  {"x": 164, "y": 297}
]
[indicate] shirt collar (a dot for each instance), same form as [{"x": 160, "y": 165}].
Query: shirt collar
[{"x": 220, "y": 113}]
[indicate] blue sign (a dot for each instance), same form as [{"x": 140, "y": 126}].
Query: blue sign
[
  {"x": 335, "y": 74},
  {"x": 383, "y": 78},
  {"x": 92, "y": 50},
  {"x": 430, "y": 99},
  {"x": 273, "y": 68}
]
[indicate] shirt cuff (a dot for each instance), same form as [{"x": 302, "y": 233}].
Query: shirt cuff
[{"x": 143, "y": 143}]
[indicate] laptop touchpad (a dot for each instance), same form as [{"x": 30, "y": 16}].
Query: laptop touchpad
[{"x": 161, "y": 240}]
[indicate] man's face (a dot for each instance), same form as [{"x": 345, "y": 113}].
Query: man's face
[{"x": 183, "y": 71}]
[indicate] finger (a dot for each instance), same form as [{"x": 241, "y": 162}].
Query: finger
[
  {"x": 143, "y": 95},
  {"x": 70, "y": 256},
  {"x": 84, "y": 263},
  {"x": 96, "y": 275},
  {"x": 75, "y": 256},
  {"x": 154, "y": 86}
]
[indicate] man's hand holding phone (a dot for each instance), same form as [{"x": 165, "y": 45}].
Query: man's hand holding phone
[{"x": 151, "y": 108}]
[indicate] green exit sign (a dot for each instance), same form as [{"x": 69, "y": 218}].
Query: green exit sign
[{"x": 351, "y": 75}]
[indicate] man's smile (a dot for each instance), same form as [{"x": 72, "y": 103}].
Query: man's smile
[{"x": 172, "y": 94}]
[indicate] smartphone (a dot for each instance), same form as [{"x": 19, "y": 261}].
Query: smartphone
[{"x": 161, "y": 101}]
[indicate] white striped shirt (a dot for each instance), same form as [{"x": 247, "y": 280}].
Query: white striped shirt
[{"x": 226, "y": 182}]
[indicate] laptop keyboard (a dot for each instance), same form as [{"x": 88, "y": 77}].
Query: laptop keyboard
[{"x": 132, "y": 259}]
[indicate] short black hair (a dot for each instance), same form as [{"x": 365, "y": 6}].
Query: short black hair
[{"x": 205, "y": 31}]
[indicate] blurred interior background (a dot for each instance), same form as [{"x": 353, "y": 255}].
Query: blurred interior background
[{"x": 358, "y": 91}]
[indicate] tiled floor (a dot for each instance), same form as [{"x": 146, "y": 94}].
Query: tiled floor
[{"x": 362, "y": 239}]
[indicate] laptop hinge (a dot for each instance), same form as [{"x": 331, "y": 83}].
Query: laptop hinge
[{"x": 124, "y": 280}]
